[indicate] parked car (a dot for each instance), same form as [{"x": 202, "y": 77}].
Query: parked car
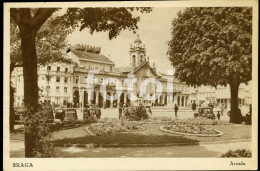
[
  {"x": 205, "y": 112},
  {"x": 50, "y": 114},
  {"x": 66, "y": 114},
  {"x": 91, "y": 110},
  {"x": 19, "y": 112}
]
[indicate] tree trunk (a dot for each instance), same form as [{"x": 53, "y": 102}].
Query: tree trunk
[
  {"x": 29, "y": 60},
  {"x": 235, "y": 113}
]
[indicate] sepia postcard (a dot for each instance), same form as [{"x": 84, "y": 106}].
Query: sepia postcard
[{"x": 141, "y": 85}]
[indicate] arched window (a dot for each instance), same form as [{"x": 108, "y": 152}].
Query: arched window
[{"x": 141, "y": 58}]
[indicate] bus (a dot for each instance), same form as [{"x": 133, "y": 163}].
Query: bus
[{"x": 143, "y": 102}]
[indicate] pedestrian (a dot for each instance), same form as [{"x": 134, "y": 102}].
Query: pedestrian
[
  {"x": 149, "y": 112},
  {"x": 218, "y": 115},
  {"x": 120, "y": 111},
  {"x": 194, "y": 106},
  {"x": 222, "y": 109},
  {"x": 104, "y": 105},
  {"x": 125, "y": 111},
  {"x": 176, "y": 110}
]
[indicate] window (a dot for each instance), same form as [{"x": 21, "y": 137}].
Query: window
[
  {"x": 48, "y": 87},
  {"x": 48, "y": 78},
  {"x": 111, "y": 68},
  {"x": 58, "y": 68},
  {"x": 65, "y": 101},
  {"x": 77, "y": 79},
  {"x": 58, "y": 79},
  {"x": 65, "y": 79},
  {"x": 48, "y": 68},
  {"x": 65, "y": 89},
  {"x": 57, "y": 99},
  {"x": 86, "y": 80},
  {"x": 66, "y": 69},
  {"x": 57, "y": 88}
]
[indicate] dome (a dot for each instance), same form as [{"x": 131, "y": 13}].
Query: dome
[{"x": 137, "y": 40}]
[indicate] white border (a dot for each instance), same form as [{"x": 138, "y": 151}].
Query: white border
[{"x": 133, "y": 163}]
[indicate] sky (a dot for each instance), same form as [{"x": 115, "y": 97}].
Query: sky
[{"x": 154, "y": 31}]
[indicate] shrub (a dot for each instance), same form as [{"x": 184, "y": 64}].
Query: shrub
[
  {"x": 237, "y": 153},
  {"x": 136, "y": 113}
]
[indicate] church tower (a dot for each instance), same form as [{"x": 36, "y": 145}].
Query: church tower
[{"x": 137, "y": 52}]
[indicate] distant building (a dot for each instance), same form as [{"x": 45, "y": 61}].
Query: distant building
[{"x": 54, "y": 82}]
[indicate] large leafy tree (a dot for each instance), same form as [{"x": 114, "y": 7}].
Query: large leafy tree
[
  {"x": 30, "y": 21},
  {"x": 50, "y": 47},
  {"x": 213, "y": 46}
]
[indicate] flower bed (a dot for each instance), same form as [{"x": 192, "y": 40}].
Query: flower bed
[
  {"x": 199, "y": 121},
  {"x": 189, "y": 121},
  {"x": 197, "y": 130},
  {"x": 110, "y": 126}
]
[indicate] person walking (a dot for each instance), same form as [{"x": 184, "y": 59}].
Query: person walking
[
  {"x": 218, "y": 115},
  {"x": 104, "y": 104},
  {"x": 194, "y": 105},
  {"x": 149, "y": 111},
  {"x": 176, "y": 108},
  {"x": 222, "y": 109},
  {"x": 120, "y": 110}
]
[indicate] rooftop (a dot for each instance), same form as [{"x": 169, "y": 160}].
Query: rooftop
[{"x": 92, "y": 56}]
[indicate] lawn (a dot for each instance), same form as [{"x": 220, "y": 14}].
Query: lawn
[{"x": 152, "y": 135}]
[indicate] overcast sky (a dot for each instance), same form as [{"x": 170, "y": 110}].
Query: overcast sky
[{"x": 154, "y": 31}]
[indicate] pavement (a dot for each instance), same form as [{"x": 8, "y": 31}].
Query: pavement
[{"x": 201, "y": 150}]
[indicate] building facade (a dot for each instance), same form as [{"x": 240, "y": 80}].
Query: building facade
[{"x": 65, "y": 83}]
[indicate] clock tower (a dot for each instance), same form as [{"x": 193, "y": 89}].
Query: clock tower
[{"x": 137, "y": 52}]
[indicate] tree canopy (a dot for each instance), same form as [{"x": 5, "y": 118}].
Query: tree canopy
[
  {"x": 209, "y": 45},
  {"x": 51, "y": 43}
]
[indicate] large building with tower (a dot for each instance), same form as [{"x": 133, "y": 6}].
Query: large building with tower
[{"x": 65, "y": 84}]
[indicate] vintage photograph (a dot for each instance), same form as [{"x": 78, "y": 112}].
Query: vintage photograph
[{"x": 130, "y": 81}]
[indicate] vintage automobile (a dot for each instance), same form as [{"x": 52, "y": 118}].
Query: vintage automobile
[
  {"x": 142, "y": 102},
  {"x": 66, "y": 114},
  {"x": 19, "y": 113},
  {"x": 205, "y": 112},
  {"x": 91, "y": 110}
]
